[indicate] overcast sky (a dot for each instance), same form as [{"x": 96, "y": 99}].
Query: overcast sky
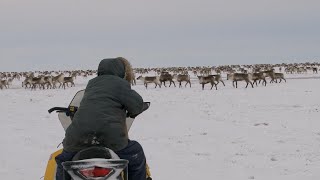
[{"x": 71, "y": 34}]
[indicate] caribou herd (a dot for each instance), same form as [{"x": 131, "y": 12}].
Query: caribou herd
[
  {"x": 42, "y": 80},
  {"x": 250, "y": 74}
]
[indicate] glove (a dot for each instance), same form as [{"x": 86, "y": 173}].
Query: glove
[{"x": 145, "y": 106}]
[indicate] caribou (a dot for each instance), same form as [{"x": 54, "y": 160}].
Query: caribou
[
  {"x": 258, "y": 77},
  {"x": 165, "y": 76},
  {"x": 181, "y": 78},
  {"x": 37, "y": 81},
  {"x": 58, "y": 79},
  {"x": 278, "y": 76},
  {"x": 27, "y": 81},
  {"x": 133, "y": 81},
  {"x": 6, "y": 82},
  {"x": 2, "y": 83},
  {"x": 269, "y": 73},
  {"x": 67, "y": 80},
  {"x": 150, "y": 79},
  {"x": 48, "y": 81},
  {"x": 235, "y": 77},
  {"x": 207, "y": 79},
  {"x": 218, "y": 78}
]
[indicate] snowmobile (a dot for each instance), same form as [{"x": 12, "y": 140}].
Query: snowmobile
[{"x": 94, "y": 163}]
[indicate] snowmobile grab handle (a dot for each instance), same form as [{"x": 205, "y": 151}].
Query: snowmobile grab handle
[{"x": 58, "y": 109}]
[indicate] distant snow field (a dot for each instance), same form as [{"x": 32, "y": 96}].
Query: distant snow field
[{"x": 264, "y": 133}]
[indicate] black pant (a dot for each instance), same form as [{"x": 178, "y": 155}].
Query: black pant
[
  {"x": 137, "y": 160},
  {"x": 133, "y": 153}
]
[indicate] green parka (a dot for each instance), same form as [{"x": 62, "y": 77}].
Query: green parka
[{"x": 100, "y": 119}]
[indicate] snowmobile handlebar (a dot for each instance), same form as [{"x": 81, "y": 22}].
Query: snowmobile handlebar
[{"x": 71, "y": 110}]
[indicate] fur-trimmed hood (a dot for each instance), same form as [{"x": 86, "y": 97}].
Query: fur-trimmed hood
[{"x": 116, "y": 66}]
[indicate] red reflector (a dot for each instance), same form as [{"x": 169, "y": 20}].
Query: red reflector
[{"x": 95, "y": 172}]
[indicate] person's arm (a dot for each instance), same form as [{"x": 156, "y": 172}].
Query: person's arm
[{"x": 132, "y": 101}]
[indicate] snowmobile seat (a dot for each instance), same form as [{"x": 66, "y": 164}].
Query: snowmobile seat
[{"x": 95, "y": 152}]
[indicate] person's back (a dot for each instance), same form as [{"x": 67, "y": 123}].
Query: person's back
[{"x": 100, "y": 119}]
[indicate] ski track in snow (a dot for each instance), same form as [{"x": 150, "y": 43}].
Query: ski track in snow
[{"x": 261, "y": 133}]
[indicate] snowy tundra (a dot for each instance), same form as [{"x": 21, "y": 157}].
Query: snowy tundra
[{"x": 262, "y": 133}]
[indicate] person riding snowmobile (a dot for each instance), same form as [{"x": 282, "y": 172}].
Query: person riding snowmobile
[{"x": 100, "y": 119}]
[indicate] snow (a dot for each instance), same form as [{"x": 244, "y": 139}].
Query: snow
[{"x": 262, "y": 133}]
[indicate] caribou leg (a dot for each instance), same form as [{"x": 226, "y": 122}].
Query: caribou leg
[
  {"x": 284, "y": 80},
  {"x": 214, "y": 85},
  {"x": 272, "y": 81},
  {"x": 248, "y": 84},
  {"x": 251, "y": 84},
  {"x": 173, "y": 83},
  {"x": 189, "y": 83},
  {"x": 223, "y": 83}
]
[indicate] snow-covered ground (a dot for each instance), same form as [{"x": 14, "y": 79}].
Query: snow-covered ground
[{"x": 263, "y": 133}]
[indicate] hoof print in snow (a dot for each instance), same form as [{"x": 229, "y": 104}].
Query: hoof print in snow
[
  {"x": 251, "y": 177},
  {"x": 264, "y": 124},
  {"x": 281, "y": 142},
  {"x": 273, "y": 159},
  {"x": 202, "y": 154},
  {"x": 239, "y": 154},
  {"x": 203, "y": 134}
]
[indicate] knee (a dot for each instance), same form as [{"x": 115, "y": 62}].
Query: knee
[{"x": 134, "y": 145}]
